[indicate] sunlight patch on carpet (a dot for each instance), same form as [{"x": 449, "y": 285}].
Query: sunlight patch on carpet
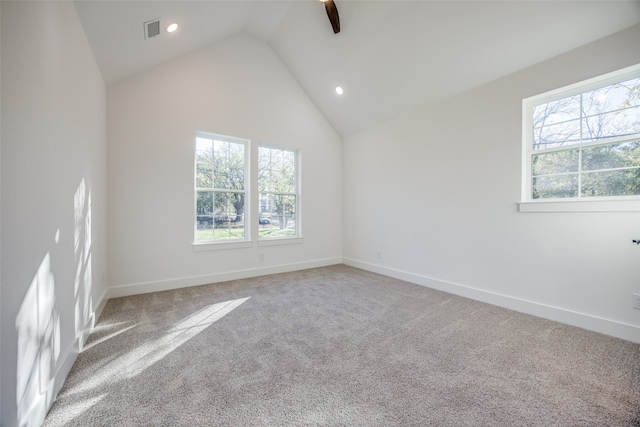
[
  {"x": 107, "y": 337},
  {"x": 154, "y": 351},
  {"x": 147, "y": 354}
]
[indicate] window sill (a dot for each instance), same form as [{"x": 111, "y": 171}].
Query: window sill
[
  {"x": 280, "y": 241},
  {"x": 201, "y": 247},
  {"x": 580, "y": 206}
]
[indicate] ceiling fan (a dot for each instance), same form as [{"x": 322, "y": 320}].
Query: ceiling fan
[{"x": 332, "y": 13}]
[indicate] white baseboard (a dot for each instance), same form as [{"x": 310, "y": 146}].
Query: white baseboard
[
  {"x": 184, "y": 282},
  {"x": 101, "y": 304},
  {"x": 581, "y": 320}
]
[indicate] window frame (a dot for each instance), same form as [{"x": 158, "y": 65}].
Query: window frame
[
  {"x": 297, "y": 237},
  {"x": 200, "y": 245},
  {"x": 575, "y": 204}
]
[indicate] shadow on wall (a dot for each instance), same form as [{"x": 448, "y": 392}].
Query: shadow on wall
[
  {"x": 38, "y": 327},
  {"x": 82, "y": 249},
  {"x": 39, "y": 357}
]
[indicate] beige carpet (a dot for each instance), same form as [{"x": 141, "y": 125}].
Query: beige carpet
[{"x": 338, "y": 346}]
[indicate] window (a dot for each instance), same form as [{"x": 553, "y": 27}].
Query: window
[
  {"x": 278, "y": 186},
  {"x": 221, "y": 188},
  {"x": 582, "y": 142}
]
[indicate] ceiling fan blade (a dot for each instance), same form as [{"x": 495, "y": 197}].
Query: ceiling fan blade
[{"x": 332, "y": 13}]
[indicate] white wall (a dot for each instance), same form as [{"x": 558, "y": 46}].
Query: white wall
[
  {"x": 1, "y": 392},
  {"x": 436, "y": 193},
  {"x": 53, "y": 231},
  {"x": 237, "y": 87}
]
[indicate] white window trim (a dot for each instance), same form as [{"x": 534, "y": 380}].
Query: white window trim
[
  {"x": 608, "y": 204},
  {"x": 209, "y": 245},
  {"x": 580, "y": 206},
  {"x": 277, "y": 241},
  {"x": 217, "y": 246},
  {"x": 284, "y": 240}
]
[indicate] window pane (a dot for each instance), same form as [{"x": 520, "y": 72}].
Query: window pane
[
  {"x": 204, "y": 147},
  {"x": 229, "y": 216},
  {"x": 289, "y": 159},
  {"x": 264, "y": 177},
  {"x": 226, "y": 229},
  {"x": 204, "y": 217},
  {"x": 205, "y": 222},
  {"x": 221, "y": 206},
  {"x": 612, "y": 98},
  {"x": 278, "y": 215},
  {"x": 555, "y": 162},
  {"x": 555, "y": 186},
  {"x": 557, "y": 111},
  {"x": 229, "y": 205},
  {"x": 221, "y": 149},
  {"x": 236, "y": 166},
  {"x": 276, "y": 170},
  {"x": 624, "y": 182},
  {"x": 288, "y": 172},
  {"x": 610, "y": 124},
  {"x": 204, "y": 234},
  {"x": 276, "y": 160},
  {"x": 221, "y": 164},
  {"x": 556, "y": 123},
  {"x": 622, "y": 155},
  {"x": 204, "y": 162},
  {"x": 556, "y": 135},
  {"x": 228, "y": 164},
  {"x": 204, "y": 204},
  {"x": 204, "y": 174}
]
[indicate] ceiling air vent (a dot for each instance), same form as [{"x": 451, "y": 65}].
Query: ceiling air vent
[{"x": 152, "y": 28}]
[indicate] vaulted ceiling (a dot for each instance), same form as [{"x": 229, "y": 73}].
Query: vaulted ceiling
[{"x": 391, "y": 57}]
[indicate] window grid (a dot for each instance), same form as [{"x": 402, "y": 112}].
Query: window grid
[
  {"x": 220, "y": 188},
  {"x": 613, "y": 132},
  {"x": 278, "y": 193}
]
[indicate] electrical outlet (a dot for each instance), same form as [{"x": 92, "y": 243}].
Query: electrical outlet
[
  {"x": 636, "y": 301},
  {"x": 379, "y": 254},
  {"x": 261, "y": 256}
]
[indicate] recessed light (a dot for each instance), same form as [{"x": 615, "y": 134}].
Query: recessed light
[
  {"x": 172, "y": 27},
  {"x": 339, "y": 90}
]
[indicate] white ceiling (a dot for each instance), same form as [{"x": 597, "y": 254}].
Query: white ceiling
[{"x": 391, "y": 57}]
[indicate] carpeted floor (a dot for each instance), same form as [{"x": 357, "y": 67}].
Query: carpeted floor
[{"x": 338, "y": 346}]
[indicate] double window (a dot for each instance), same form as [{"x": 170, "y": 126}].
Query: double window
[
  {"x": 583, "y": 141},
  {"x": 223, "y": 191}
]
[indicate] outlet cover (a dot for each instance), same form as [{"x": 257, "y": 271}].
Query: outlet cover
[{"x": 636, "y": 301}]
